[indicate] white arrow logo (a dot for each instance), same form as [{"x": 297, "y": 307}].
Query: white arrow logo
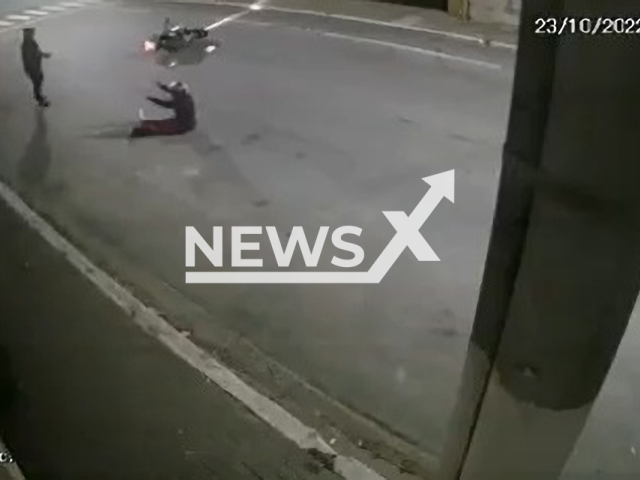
[{"x": 407, "y": 236}]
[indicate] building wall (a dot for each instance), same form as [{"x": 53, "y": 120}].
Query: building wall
[{"x": 494, "y": 11}]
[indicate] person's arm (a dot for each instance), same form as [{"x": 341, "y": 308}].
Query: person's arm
[
  {"x": 161, "y": 103},
  {"x": 163, "y": 87},
  {"x": 41, "y": 53}
]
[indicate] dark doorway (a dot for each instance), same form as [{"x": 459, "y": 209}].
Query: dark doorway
[{"x": 438, "y": 4}]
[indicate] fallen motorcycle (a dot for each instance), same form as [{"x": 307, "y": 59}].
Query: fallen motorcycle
[{"x": 181, "y": 46}]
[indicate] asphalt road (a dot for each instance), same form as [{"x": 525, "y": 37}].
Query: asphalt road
[{"x": 296, "y": 128}]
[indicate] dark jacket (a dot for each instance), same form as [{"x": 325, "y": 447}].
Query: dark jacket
[
  {"x": 32, "y": 57},
  {"x": 181, "y": 102}
]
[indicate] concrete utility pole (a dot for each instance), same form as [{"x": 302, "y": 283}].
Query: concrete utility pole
[{"x": 563, "y": 268}]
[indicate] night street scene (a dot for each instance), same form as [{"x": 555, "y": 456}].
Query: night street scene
[{"x": 319, "y": 239}]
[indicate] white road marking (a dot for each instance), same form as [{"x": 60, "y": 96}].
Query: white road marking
[
  {"x": 35, "y": 12},
  {"x": 422, "y": 51},
  {"x": 60, "y": 12},
  {"x": 191, "y": 172},
  {"x": 17, "y": 17},
  {"x": 228, "y": 19},
  {"x": 248, "y": 9},
  {"x": 419, "y": 50},
  {"x": 508, "y": 46},
  {"x": 432, "y": 31},
  {"x": 155, "y": 326},
  {"x": 382, "y": 23}
]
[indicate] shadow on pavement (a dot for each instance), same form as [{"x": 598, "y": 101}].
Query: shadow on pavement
[
  {"x": 112, "y": 131},
  {"x": 36, "y": 160},
  {"x": 218, "y": 166}
]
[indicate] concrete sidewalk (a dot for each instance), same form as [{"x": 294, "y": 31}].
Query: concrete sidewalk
[
  {"x": 392, "y": 15},
  {"x": 87, "y": 394}
]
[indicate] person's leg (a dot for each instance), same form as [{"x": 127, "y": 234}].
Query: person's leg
[
  {"x": 167, "y": 126},
  {"x": 37, "y": 81},
  {"x": 145, "y": 128}
]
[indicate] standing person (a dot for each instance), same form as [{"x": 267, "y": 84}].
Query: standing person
[{"x": 32, "y": 62}]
